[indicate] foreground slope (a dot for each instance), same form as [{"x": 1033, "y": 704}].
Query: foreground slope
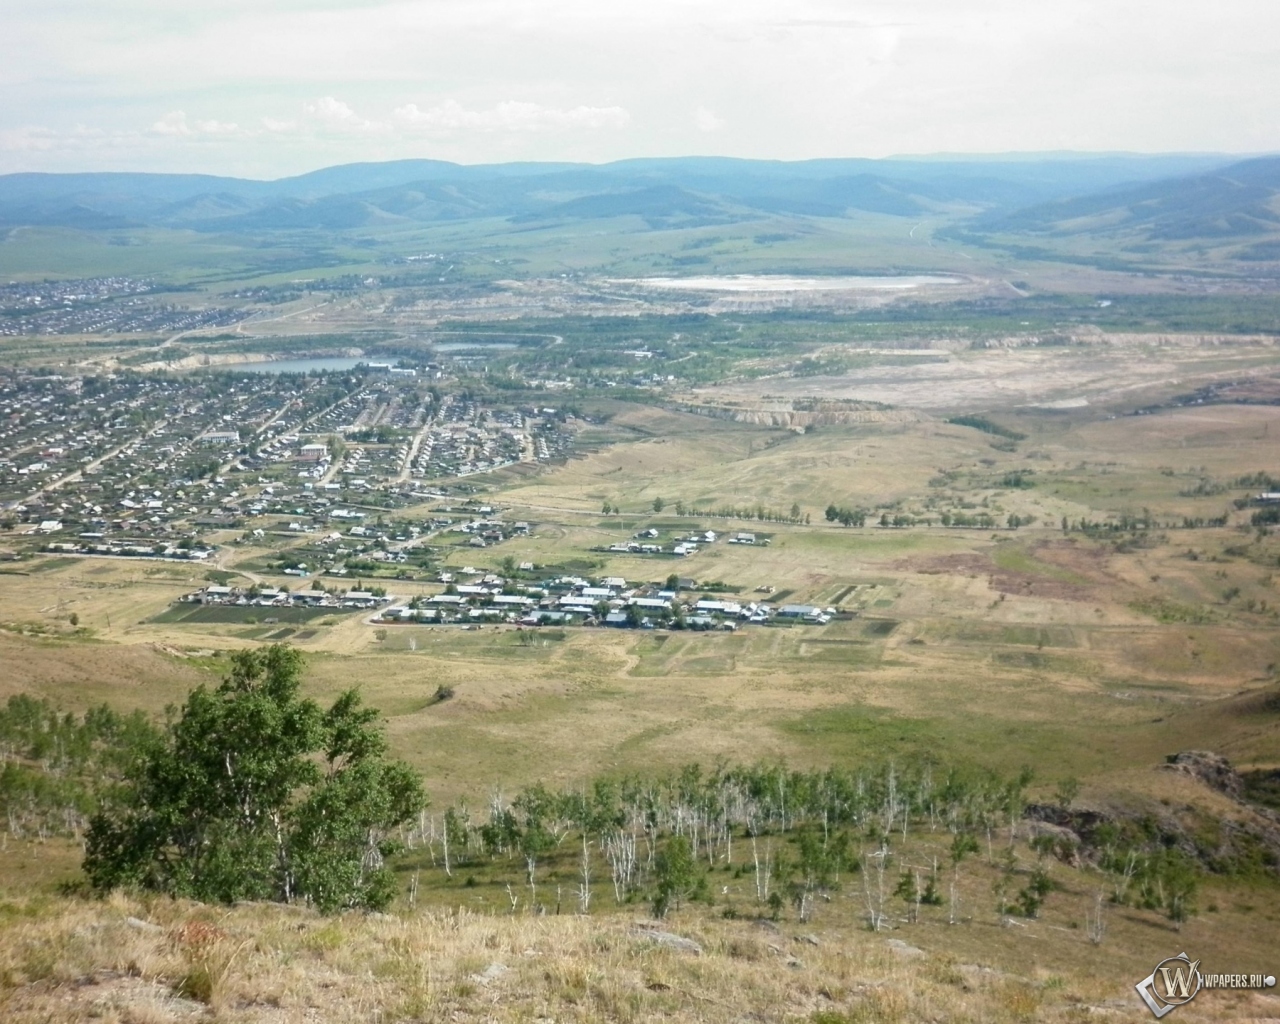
[{"x": 155, "y": 962}]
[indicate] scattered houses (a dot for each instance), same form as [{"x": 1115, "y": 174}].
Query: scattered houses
[{"x": 574, "y": 600}]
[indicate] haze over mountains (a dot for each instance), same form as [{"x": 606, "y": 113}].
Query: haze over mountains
[
  {"x": 1122, "y": 201},
  {"x": 1236, "y": 201}
]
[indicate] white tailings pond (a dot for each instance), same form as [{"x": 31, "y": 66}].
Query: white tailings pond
[{"x": 786, "y": 283}]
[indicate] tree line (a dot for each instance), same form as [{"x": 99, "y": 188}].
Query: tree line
[
  {"x": 251, "y": 792},
  {"x": 757, "y": 512},
  {"x": 898, "y": 520},
  {"x": 798, "y": 836},
  {"x": 55, "y": 763}
]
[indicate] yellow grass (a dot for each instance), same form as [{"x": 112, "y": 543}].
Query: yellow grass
[
  {"x": 158, "y": 961},
  {"x": 1000, "y": 649}
]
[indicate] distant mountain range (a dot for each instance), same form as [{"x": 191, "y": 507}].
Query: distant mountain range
[
  {"x": 1122, "y": 200},
  {"x": 1233, "y": 204}
]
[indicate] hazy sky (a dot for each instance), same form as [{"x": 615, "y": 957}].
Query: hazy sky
[{"x": 274, "y": 87}]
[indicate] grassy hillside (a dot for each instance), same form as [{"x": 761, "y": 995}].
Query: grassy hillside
[
  {"x": 1001, "y": 216},
  {"x": 156, "y": 961},
  {"x": 1218, "y": 222},
  {"x": 1096, "y": 599}
]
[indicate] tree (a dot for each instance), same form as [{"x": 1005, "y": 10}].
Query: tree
[
  {"x": 1032, "y": 897},
  {"x": 540, "y": 809},
  {"x": 659, "y": 504},
  {"x": 961, "y": 846},
  {"x": 1167, "y": 881},
  {"x": 256, "y": 793},
  {"x": 676, "y": 876},
  {"x": 820, "y": 859}
]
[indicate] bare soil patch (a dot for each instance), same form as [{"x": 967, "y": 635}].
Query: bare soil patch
[{"x": 1010, "y": 581}]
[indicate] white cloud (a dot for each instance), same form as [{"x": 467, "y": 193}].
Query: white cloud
[
  {"x": 78, "y": 139},
  {"x": 583, "y": 79},
  {"x": 175, "y": 123},
  {"x": 330, "y": 115},
  {"x": 336, "y": 115},
  {"x": 511, "y": 116},
  {"x": 28, "y": 139},
  {"x": 324, "y": 127},
  {"x": 707, "y": 120},
  {"x": 218, "y": 127}
]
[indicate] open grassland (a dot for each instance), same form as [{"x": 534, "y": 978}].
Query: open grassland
[
  {"x": 1079, "y": 653},
  {"x": 474, "y": 950},
  {"x": 156, "y": 961}
]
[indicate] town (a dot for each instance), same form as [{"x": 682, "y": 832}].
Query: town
[
  {"x": 474, "y": 596},
  {"x": 155, "y": 465},
  {"x": 102, "y": 305},
  {"x": 639, "y": 512}
]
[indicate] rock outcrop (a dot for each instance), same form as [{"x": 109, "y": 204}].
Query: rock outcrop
[{"x": 1212, "y": 769}]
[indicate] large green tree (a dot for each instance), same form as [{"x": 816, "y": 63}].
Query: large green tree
[{"x": 256, "y": 793}]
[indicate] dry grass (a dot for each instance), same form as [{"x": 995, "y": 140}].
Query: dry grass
[
  {"x": 159, "y": 961},
  {"x": 1028, "y": 649},
  {"x": 1110, "y": 370}
]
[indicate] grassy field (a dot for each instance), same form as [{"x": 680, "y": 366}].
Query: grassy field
[
  {"x": 222, "y": 614},
  {"x": 1075, "y": 653},
  {"x": 271, "y": 964},
  {"x": 1065, "y": 644},
  {"x": 1082, "y": 654}
]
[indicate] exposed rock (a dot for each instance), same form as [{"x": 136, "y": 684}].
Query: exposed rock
[
  {"x": 490, "y": 974},
  {"x": 672, "y": 941},
  {"x": 804, "y": 413},
  {"x": 143, "y": 926},
  {"x": 811, "y": 939},
  {"x": 904, "y": 948},
  {"x": 1212, "y": 769},
  {"x": 976, "y": 976},
  {"x": 1221, "y": 843},
  {"x": 1066, "y": 842},
  {"x": 1079, "y": 825}
]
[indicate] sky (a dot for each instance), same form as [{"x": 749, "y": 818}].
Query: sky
[{"x": 268, "y": 88}]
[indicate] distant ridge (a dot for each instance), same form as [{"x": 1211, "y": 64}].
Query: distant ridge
[
  {"x": 661, "y": 192},
  {"x": 1233, "y": 200},
  {"x": 1235, "y": 204}
]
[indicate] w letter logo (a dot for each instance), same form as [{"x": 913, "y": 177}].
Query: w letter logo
[{"x": 1174, "y": 982}]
